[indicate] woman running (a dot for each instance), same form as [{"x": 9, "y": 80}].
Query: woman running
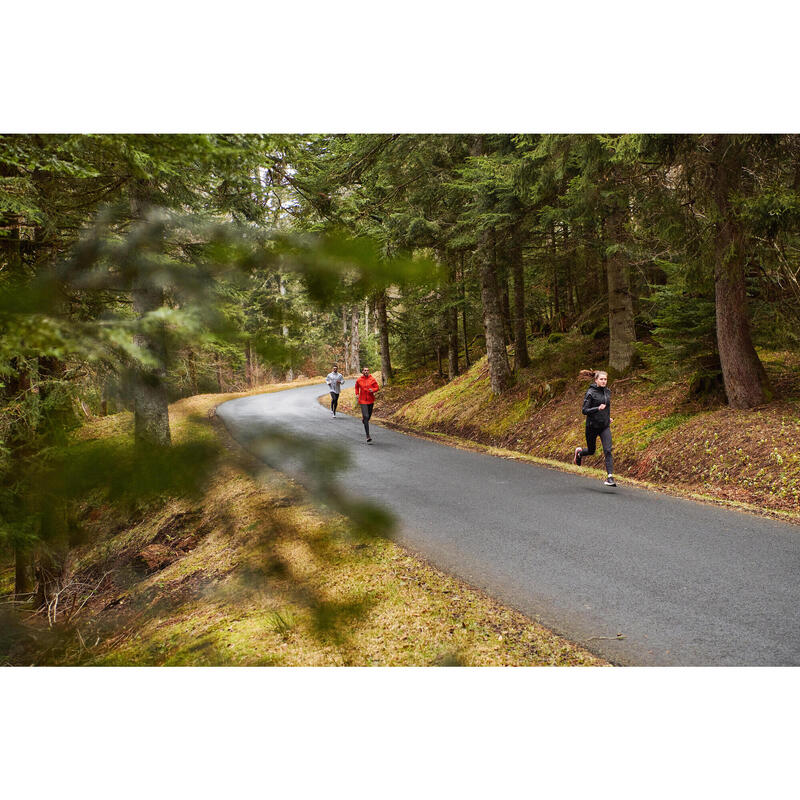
[{"x": 597, "y": 410}]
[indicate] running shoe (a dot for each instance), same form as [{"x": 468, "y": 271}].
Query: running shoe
[
  {"x": 609, "y": 481},
  {"x": 576, "y": 459},
  {"x": 369, "y": 440}
]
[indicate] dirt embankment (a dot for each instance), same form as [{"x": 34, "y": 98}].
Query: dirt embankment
[{"x": 746, "y": 457}]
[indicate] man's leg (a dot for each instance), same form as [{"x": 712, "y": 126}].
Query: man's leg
[
  {"x": 366, "y": 413},
  {"x": 334, "y": 401}
]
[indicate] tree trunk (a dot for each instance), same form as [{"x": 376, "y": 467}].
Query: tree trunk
[
  {"x": 452, "y": 342},
  {"x": 22, "y": 582},
  {"x": 150, "y": 405},
  {"x": 383, "y": 335},
  {"x": 248, "y": 362},
  {"x": 743, "y": 373},
  {"x": 52, "y": 564},
  {"x": 503, "y": 290},
  {"x": 192, "y": 371},
  {"x": 104, "y": 404},
  {"x": 346, "y": 342},
  {"x": 53, "y": 553},
  {"x": 496, "y": 353},
  {"x": 620, "y": 305},
  {"x": 450, "y": 313},
  {"x": 521, "y": 357},
  {"x": 464, "y": 312},
  {"x": 355, "y": 341}
]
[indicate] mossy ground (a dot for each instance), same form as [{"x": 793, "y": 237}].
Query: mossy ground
[
  {"x": 745, "y": 457},
  {"x": 253, "y": 573}
]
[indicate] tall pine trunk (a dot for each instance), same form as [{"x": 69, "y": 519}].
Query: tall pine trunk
[
  {"x": 192, "y": 370},
  {"x": 383, "y": 336},
  {"x": 496, "y": 353},
  {"x": 355, "y": 341},
  {"x": 346, "y": 343},
  {"x": 464, "y": 312},
  {"x": 150, "y": 404},
  {"x": 521, "y": 357},
  {"x": 451, "y": 314},
  {"x": 742, "y": 372},
  {"x": 289, "y": 376},
  {"x": 620, "y": 304},
  {"x": 248, "y": 361},
  {"x": 52, "y": 561},
  {"x": 22, "y": 569}
]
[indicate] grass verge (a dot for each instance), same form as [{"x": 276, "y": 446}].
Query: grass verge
[
  {"x": 741, "y": 459},
  {"x": 254, "y": 573}
]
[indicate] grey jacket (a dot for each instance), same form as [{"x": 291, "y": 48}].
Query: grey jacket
[{"x": 335, "y": 381}]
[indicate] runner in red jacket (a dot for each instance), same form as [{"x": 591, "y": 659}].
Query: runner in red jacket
[{"x": 366, "y": 389}]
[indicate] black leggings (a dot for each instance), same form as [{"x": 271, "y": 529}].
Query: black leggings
[
  {"x": 334, "y": 401},
  {"x": 366, "y": 413},
  {"x": 591, "y": 445}
]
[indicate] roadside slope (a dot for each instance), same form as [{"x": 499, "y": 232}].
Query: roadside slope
[
  {"x": 253, "y": 573},
  {"x": 738, "y": 457}
]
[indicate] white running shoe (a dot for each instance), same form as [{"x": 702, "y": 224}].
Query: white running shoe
[{"x": 609, "y": 481}]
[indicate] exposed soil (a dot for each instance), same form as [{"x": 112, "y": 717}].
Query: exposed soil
[{"x": 747, "y": 457}]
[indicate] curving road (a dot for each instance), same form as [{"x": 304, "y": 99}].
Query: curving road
[{"x": 684, "y": 583}]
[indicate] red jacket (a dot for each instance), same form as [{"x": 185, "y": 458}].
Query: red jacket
[{"x": 365, "y": 389}]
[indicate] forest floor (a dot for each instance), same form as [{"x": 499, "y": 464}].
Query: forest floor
[
  {"x": 744, "y": 459},
  {"x": 253, "y": 573}
]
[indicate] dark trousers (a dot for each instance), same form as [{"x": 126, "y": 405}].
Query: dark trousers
[
  {"x": 334, "y": 401},
  {"x": 366, "y": 413},
  {"x": 591, "y": 445}
]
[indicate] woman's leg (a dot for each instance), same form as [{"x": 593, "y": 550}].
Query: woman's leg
[
  {"x": 605, "y": 438},
  {"x": 591, "y": 442}
]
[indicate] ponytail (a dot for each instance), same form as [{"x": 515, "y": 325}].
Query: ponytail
[{"x": 591, "y": 374}]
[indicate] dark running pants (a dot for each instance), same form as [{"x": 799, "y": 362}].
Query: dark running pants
[
  {"x": 334, "y": 401},
  {"x": 591, "y": 445},
  {"x": 366, "y": 413}
]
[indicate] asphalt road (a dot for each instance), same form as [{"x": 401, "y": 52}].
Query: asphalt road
[{"x": 684, "y": 583}]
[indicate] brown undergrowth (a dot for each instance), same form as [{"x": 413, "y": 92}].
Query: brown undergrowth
[
  {"x": 745, "y": 457},
  {"x": 255, "y": 573}
]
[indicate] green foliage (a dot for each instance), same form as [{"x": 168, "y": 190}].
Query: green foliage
[{"x": 683, "y": 317}]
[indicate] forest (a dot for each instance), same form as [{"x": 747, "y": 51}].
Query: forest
[{"x": 136, "y": 270}]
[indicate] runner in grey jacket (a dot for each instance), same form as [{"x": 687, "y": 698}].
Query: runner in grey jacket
[{"x": 334, "y": 381}]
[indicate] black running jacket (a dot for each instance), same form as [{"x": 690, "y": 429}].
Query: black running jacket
[{"x": 595, "y": 397}]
